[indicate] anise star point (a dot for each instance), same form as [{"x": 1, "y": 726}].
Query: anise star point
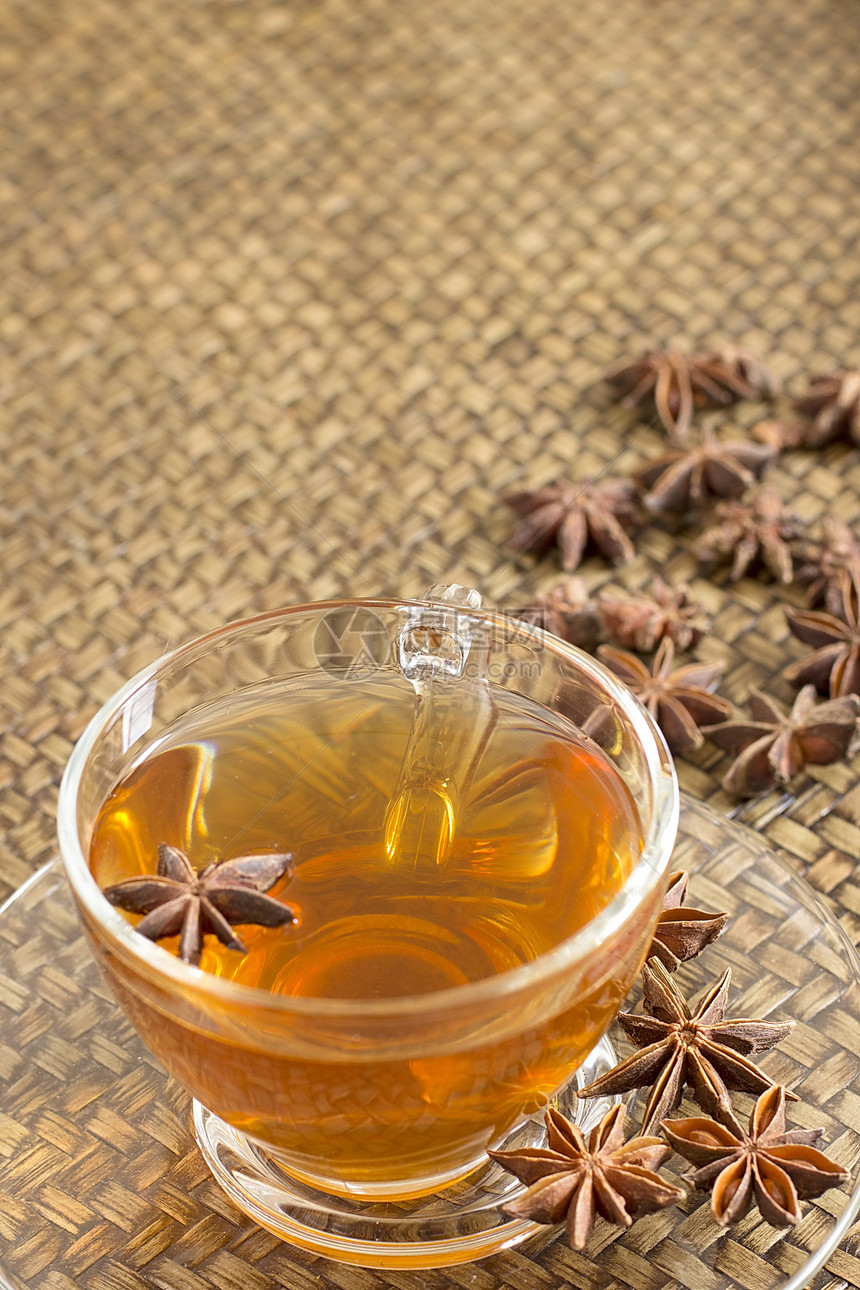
[
  {"x": 680, "y": 699},
  {"x": 828, "y": 564},
  {"x": 832, "y": 408},
  {"x": 675, "y": 384},
  {"x": 682, "y": 932},
  {"x": 772, "y": 746},
  {"x": 574, "y": 515},
  {"x": 573, "y": 1179},
  {"x": 681, "y": 1044},
  {"x": 681, "y": 480},
  {"x": 745, "y": 531},
  {"x": 767, "y": 1165},
  {"x": 176, "y": 900},
  {"x": 567, "y": 610},
  {"x": 834, "y": 666},
  {"x": 640, "y": 620}
]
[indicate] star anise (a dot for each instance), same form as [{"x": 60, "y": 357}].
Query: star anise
[
  {"x": 773, "y": 746},
  {"x": 682, "y": 933},
  {"x": 769, "y": 1165},
  {"x": 685, "y": 477},
  {"x": 572, "y": 515},
  {"x": 834, "y": 667},
  {"x": 826, "y": 566},
  {"x": 684, "y": 1043},
  {"x": 758, "y": 528},
  {"x": 833, "y": 404},
  {"x": 680, "y": 699},
  {"x": 178, "y": 901},
  {"x": 567, "y": 610},
  {"x": 780, "y": 433},
  {"x": 573, "y": 1179},
  {"x": 639, "y": 622},
  {"x": 674, "y": 383}
]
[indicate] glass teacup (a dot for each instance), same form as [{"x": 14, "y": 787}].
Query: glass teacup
[{"x": 478, "y": 819}]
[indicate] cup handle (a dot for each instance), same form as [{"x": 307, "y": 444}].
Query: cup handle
[{"x": 444, "y": 652}]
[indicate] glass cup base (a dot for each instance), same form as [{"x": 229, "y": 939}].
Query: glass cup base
[{"x": 459, "y": 1222}]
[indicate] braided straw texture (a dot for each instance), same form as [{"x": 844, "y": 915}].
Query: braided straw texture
[{"x": 289, "y": 294}]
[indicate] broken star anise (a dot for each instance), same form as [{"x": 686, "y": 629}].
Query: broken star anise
[
  {"x": 682, "y": 1043},
  {"x": 639, "y": 621},
  {"x": 759, "y": 528},
  {"x": 827, "y": 565},
  {"x": 779, "y": 433},
  {"x": 674, "y": 384},
  {"x": 567, "y": 610},
  {"x": 834, "y": 667},
  {"x": 773, "y": 745},
  {"x": 685, "y": 477},
  {"x": 573, "y": 1180},
  {"x": 679, "y": 698},
  {"x": 770, "y": 1166},
  {"x": 682, "y": 933},
  {"x": 176, "y": 900},
  {"x": 572, "y": 515},
  {"x": 832, "y": 404}
]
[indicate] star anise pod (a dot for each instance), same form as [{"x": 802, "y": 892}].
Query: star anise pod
[
  {"x": 572, "y": 515},
  {"x": 833, "y": 404},
  {"x": 685, "y": 477},
  {"x": 834, "y": 667},
  {"x": 567, "y": 610},
  {"x": 748, "y": 370},
  {"x": 682, "y": 933},
  {"x": 684, "y": 1043},
  {"x": 779, "y": 433},
  {"x": 773, "y": 745},
  {"x": 827, "y": 566},
  {"x": 674, "y": 384},
  {"x": 680, "y": 699},
  {"x": 573, "y": 1180},
  {"x": 759, "y": 528},
  {"x": 639, "y": 622},
  {"x": 770, "y": 1166},
  {"x": 178, "y": 901}
]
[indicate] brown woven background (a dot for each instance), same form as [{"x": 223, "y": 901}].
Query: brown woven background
[{"x": 289, "y": 292}]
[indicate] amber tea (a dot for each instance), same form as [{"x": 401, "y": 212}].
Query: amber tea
[{"x": 543, "y": 840}]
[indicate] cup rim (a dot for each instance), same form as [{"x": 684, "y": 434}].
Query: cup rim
[{"x": 651, "y": 866}]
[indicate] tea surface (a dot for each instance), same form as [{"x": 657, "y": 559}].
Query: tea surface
[{"x": 544, "y": 837}]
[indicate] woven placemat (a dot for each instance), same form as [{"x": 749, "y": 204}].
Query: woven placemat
[
  {"x": 101, "y": 1184},
  {"x": 290, "y": 292}
]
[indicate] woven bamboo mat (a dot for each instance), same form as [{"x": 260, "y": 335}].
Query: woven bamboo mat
[{"x": 290, "y": 292}]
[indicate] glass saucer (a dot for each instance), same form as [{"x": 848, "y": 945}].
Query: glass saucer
[{"x": 102, "y": 1185}]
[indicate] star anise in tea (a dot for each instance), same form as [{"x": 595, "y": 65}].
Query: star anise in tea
[
  {"x": 757, "y": 529},
  {"x": 176, "y": 900},
  {"x": 573, "y": 515},
  {"x": 684, "y": 478},
  {"x": 769, "y": 1166},
  {"x": 827, "y": 566},
  {"x": 682, "y": 933},
  {"x": 680, "y": 699},
  {"x": 639, "y": 621},
  {"x": 834, "y": 667},
  {"x": 674, "y": 384},
  {"x": 573, "y": 1180},
  {"x": 682, "y": 1043},
  {"x": 772, "y": 746},
  {"x": 832, "y": 403},
  {"x": 567, "y": 610}
]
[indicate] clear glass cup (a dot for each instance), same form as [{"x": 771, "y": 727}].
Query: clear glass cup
[{"x": 323, "y": 1117}]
